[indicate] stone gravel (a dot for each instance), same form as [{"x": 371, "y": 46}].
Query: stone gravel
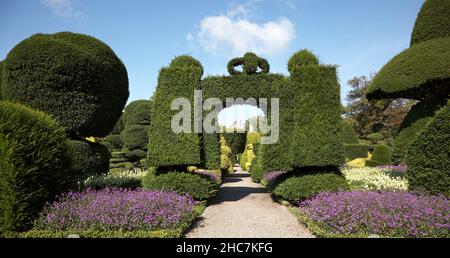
[{"x": 243, "y": 209}]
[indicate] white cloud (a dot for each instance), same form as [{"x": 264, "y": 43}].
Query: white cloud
[
  {"x": 62, "y": 8},
  {"x": 231, "y": 34}
]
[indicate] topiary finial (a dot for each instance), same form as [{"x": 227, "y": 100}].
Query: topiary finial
[
  {"x": 250, "y": 63},
  {"x": 433, "y": 21},
  {"x": 186, "y": 61},
  {"x": 302, "y": 58}
]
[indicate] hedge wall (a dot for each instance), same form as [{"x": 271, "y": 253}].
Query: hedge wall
[
  {"x": 34, "y": 165},
  {"x": 165, "y": 147},
  {"x": 428, "y": 156},
  {"x": 382, "y": 154},
  {"x": 236, "y": 141},
  {"x": 348, "y": 134},
  {"x": 416, "y": 120},
  {"x": 76, "y": 78},
  {"x": 316, "y": 135},
  {"x": 354, "y": 151},
  {"x": 210, "y": 151}
]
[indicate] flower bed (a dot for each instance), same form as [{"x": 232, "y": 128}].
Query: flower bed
[
  {"x": 270, "y": 178},
  {"x": 114, "y": 209},
  {"x": 388, "y": 214},
  {"x": 125, "y": 179},
  {"x": 375, "y": 179},
  {"x": 210, "y": 174}
]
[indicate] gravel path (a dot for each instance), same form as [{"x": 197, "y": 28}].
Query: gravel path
[{"x": 245, "y": 209}]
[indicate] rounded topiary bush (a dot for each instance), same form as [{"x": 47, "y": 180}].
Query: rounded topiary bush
[
  {"x": 135, "y": 137},
  {"x": 76, "y": 78},
  {"x": 114, "y": 140},
  {"x": 381, "y": 156},
  {"x": 428, "y": 156},
  {"x": 183, "y": 183},
  {"x": 34, "y": 166},
  {"x": 135, "y": 155},
  {"x": 88, "y": 158},
  {"x": 137, "y": 112},
  {"x": 186, "y": 61},
  {"x": 302, "y": 58},
  {"x": 303, "y": 187},
  {"x": 432, "y": 22}
]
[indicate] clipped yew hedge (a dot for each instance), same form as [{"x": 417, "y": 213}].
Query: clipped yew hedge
[
  {"x": 428, "y": 156},
  {"x": 348, "y": 134},
  {"x": 34, "y": 164},
  {"x": 236, "y": 141},
  {"x": 416, "y": 120},
  {"x": 433, "y": 21},
  {"x": 166, "y": 148},
  {"x": 88, "y": 158},
  {"x": 76, "y": 78},
  {"x": 354, "y": 151}
]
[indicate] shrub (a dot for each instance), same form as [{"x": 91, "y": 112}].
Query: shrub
[
  {"x": 34, "y": 164},
  {"x": 270, "y": 178},
  {"x": 130, "y": 179},
  {"x": 375, "y": 179},
  {"x": 302, "y": 58},
  {"x": 137, "y": 113},
  {"x": 413, "y": 124},
  {"x": 236, "y": 141},
  {"x": 183, "y": 183},
  {"x": 354, "y": 151},
  {"x": 253, "y": 137},
  {"x": 428, "y": 156},
  {"x": 306, "y": 186},
  {"x": 243, "y": 160},
  {"x": 348, "y": 134},
  {"x": 135, "y": 155},
  {"x": 388, "y": 214},
  {"x": 115, "y": 141},
  {"x": 432, "y": 22},
  {"x": 210, "y": 151},
  {"x": 117, "y": 154},
  {"x": 117, "y": 209},
  {"x": 118, "y": 127},
  {"x": 135, "y": 137},
  {"x": 382, "y": 154},
  {"x": 257, "y": 169},
  {"x": 88, "y": 158},
  {"x": 122, "y": 165},
  {"x": 374, "y": 138},
  {"x": 76, "y": 78}
]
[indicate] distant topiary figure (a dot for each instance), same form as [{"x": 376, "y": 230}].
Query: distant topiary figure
[
  {"x": 428, "y": 157},
  {"x": 302, "y": 58},
  {"x": 76, "y": 78},
  {"x": 34, "y": 165},
  {"x": 348, "y": 134},
  {"x": 186, "y": 61}
]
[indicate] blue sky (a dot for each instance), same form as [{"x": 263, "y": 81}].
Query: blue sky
[{"x": 359, "y": 36}]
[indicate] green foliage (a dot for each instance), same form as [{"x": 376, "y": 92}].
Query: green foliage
[
  {"x": 250, "y": 63},
  {"x": 122, "y": 165},
  {"x": 135, "y": 155},
  {"x": 34, "y": 164},
  {"x": 88, "y": 159},
  {"x": 382, "y": 154},
  {"x": 416, "y": 120},
  {"x": 210, "y": 151},
  {"x": 243, "y": 160},
  {"x": 76, "y": 78},
  {"x": 257, "y": 170},
  {"x": 135, "y": 137},
  {"x": 354, "y": 151},
  {"x": 137, "y": 113},
  {"x": 186, "y": 61},
  {"x": 316, "y": 138},
  {"x": 183, "y": 183},
  {"x": 236, "y": 141},
  {"x": 1, "y": 76},
  {"x": 302, "y": 58},
  {"x": 432, "y": 22},
  {"x": 118, "y": 127},
  {"x": 114, "y": 140},
  {"x": 374, "y": 138},
  {"x": 428, "y": 156},
  {"x": 167, "y": 148},
  {"x": 253, "y": 137},
  {"x": 118, "y": 154},
  {"x": 348, "y": 134},
  {"x": 303, "y": 187}
]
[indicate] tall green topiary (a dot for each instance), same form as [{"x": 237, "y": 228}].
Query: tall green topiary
[
  {"x": 416, "y": 120},
  {"x": 348, "y": 134},
  {"x": 428, "y": 156},
  {"x": 76, "y": 78},
  {"x": 302, "y": 58},
  {"x": 420, "y": 72},
  {"x": 167, "y": 148},
  {"x": 34, "y": 165},
  {"x": 186, "y": 61}
]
